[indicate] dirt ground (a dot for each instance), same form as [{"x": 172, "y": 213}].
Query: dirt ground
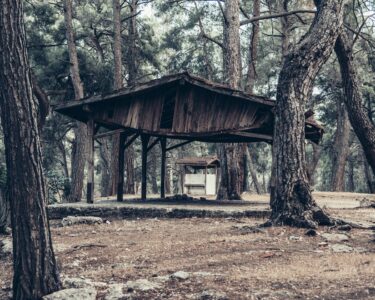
[{"x": 221, "y": 255}]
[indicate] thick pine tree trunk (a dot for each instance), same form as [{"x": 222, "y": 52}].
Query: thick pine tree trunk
[
  {"x": 34, "y": 264},
  {"x": 291, "y": 199},
  {"x": 340, "y": 151},
  {"x": 80, "y": 132},
  {"x": 231, "y": 155},
  {"x": 359, "y": 119}
]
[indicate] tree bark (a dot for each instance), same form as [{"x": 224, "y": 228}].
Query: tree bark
[
  {"x": 232, "y": 175},
  {"x": 80, "y": 142},
  {"x": 340, "y": 151},
  {"x": 34, "y": 264},
  {"x": 4, "y": 212},
  {"x": 253, "y": 50},
  {"x": 359, "y": 119},
  {"x": 118, "y": 84},
  {"x": 291, "y": 199},
  {"x": 370, "y": 180},
  {"x": 313, "y": 163}
]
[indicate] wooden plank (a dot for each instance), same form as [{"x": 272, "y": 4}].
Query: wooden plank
[
  {"x": 178, "y": 145},
  {"x": 153, "y": 144},
  {"x": 90, "y": 161},
  {"x": 121, "y": 163}
]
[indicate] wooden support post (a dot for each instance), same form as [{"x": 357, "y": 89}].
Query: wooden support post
[
  {"x": 205, "y": 181},
  {"x": 145, "y": 139},
  {"x": 90, "y": 161},
  {"x": 163, "y": 144},
  {"x": 121, "y": 161}
]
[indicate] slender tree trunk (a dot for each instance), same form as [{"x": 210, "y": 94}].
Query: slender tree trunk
[
  {"x": 351, "y": 183},
  {"x": 105, "y": 160},
  {"x": 231, "y": 155},
  {"x": 153, "y": 171},
  {"x": 80, "y": 132},
  {"x": 4, "y": 212},
  {"x": 291, "y": 199},
  {"x": 340, "y": 151},
  {"x": 253, "y": 50},
  {"x": 34, "y": 264},
  {"x": 118, "y": 84},
  {"x": 252, "y": 171},
  {"x": 313, "y": 163},
  {"x": 359, "y": 119}
]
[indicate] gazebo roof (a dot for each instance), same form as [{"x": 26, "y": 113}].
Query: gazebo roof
[{"x": 186, "y": 107}]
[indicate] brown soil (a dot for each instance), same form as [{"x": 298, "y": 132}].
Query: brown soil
[{"x": 279, "y": 263}]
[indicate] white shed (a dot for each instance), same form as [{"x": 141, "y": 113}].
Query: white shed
[{"x": 200, "y": 175}]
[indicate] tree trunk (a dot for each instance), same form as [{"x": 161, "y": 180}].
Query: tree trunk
[
  {"x": 291, "y": 199},
  {"x": 351, "y": 183},
  {"x": 80, "y": 132},
  {"x": 369, "y": 177},
  {"x": 118, "y": 84},
  {"x": 4, "y": 212},
  {"x": 252, "y": 171},
  {"x": 359, "y": 119},
  {"x": 34, "y": 264},
  {"x": 340, "y": 151},
  {"x": 105, "y": 160},
  {"x": 153, "y": 172},
  {"x": 231, "y": 155},
  {"x": 253, "y": 50},
  {"x": 313, "y": 163}
]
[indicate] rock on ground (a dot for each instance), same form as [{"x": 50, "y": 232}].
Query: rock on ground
[
  {"x": 335, "y": 237},
  {"x": 180, "y": 275},
  {"x": 68, "y": 221},
  {"x": 78, "y": 283},
  {"x": 73, "y": 294},
  {"x": 142, "y": 285},
  {"x": 6, "y": 247},
  {"x": 341, "y": 248},
  {"x": 212, "y": 295},
  {"x": 116, "y": 291}
]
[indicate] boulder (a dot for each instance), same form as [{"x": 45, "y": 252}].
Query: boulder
[
  {"x": 68, "y": 221},
  {"x": 73, "y": 294}
]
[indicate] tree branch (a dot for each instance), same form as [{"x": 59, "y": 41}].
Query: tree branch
[{"x": 278, "y": 15}]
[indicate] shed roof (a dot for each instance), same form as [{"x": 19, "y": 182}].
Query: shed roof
[
  {"x": 227, "y": 115},
  {"x": 198, "y": 161}
]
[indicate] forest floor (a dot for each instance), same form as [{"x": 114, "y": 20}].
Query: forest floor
[{"x": 220, "y": 258}]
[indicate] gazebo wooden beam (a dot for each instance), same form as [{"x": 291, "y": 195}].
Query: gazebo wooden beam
[
  {"x": 90, "y": 161},
  {"x": 163, "y": 144},
  {"x": 178, "y": 145}
]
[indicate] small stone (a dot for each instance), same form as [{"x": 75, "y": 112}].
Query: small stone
[
  {"x": 142, "y": 285},
  {"x": 180, "y": 275},
  {"x": 295, "y": 238},
  {"x": 311, "y": 232},
  {"x": 346, "y": 227},
  {"x": 335, "y": 237},
  {"x": 341, "y": 248},
  {"x": 73, "y": 294}
]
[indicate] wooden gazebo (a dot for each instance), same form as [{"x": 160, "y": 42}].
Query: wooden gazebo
[{"x": 181, "y": 107}]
